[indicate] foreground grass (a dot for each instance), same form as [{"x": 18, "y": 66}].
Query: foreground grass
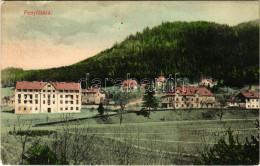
[{"x": 169, "y": 137}]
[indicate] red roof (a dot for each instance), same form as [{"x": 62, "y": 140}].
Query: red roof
[
  {"x": 250, "y": 94},
  {"x": 206, "y": 79},
  {"x": 30, "y": 85},
  {"x": 190, "y": 91},
  {"x": 143, "y": 85},
  {"x": 129, "y": 83},
  {"x": 91, "y": 90},
  {"x": 39, "y": 85},
  {"x": 161, "y": 79},
  {"x": 66, "y": 85}
]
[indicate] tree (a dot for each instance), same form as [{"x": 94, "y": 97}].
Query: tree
[
  {"x": 22, "y": 139},
  {"x": 121, "y": 98},
  {"x": 101, "y": 109},
  {"x": 149, "y": 101},
  {"x": 233, "y": 152}
]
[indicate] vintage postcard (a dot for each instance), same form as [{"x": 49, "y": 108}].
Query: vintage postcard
[{"x": 130, "y": 83}]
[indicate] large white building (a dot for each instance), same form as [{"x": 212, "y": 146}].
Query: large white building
[
  {"x": 249, "y": 100},
  {"x": 47, "y": 97}
]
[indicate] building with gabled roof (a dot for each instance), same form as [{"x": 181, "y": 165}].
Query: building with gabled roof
[
  {"x": 129, "y": 85},
  {"x": 47, "y": 97},
  {"x": 189, "y": 97},
  {"x": 160, "y": 81},
  {"x": 248, "y": 100},
  {"x": 93, "y": 95},
  {"x": 208, "y": 82}
]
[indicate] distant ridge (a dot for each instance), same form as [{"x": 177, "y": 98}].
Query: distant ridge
[{"x": 229, "y": 54}]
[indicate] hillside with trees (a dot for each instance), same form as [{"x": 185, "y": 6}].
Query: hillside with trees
[{"x": 194, "y": 49}]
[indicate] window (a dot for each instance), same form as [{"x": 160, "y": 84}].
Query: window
[
  {"x": 49, "y": 86},
  {"x": 25, "y": 101},
  {"x": 61, "y": 96},
  {"x": 25, "y": 96},
  {"x": 182, "y": 105},
  {"x": 77, "y": 108},
  {"x": 36, "y": 95},
  {"x": 36, "y": 108},
  {"x": 30, "y": 96},
  {"x": 49, "y": 90},
  {"x": 252, "y": 106},
  {"x": 43, "y": 90},
  {"x": 66, "y": 108},
  {"x": 77, "y": 96},
  {"x": 61, "y": 108},
  {"x": 30, "y": 108},
  {"x": 19, "y": 101},
  {"x": 31, "y": 102},
  {"x": 19, "y": 90},
  {"x": 43, "y": 101},
  {"x": 19, "y": 96},
  {"x": 66, "y": 102},
  {"x": 71, "y": 102},
  {"x": 19, "y": 108},
  {"x": 53, "y": 102},
  {"x": 53, "y": 96},
  {"x": 53, "y": 91},
  {"x": 191, "y": 99},
  {"x": 256, "y": 100},
  {"x": 71, "y": 108},
  {"x": 252, "y": 100},
  {"x": 24, "y": 108},
  {"x": 66, "y": 96},
  {"x": 61, "y": 102},
  {"x": 43, "y": 95},
  {"x": 49, "y": 102},
  {"x": 77, "y": 102},
  {"x": 49, "y": 96}
]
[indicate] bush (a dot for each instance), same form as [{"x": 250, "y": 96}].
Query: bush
[
  {"x": 232, "y": 152},
  {"x": 38, "y": 154},
  {"x": 32, "y": 133}
]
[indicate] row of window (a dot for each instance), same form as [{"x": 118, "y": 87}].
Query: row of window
[
  {"x": 182, "y": 105},
  {"x": 19, "y": 108},
  {"x": 67, "y": 108},
  {"x": 35, "y": 90},
  {"x": 49, "y": 102},
  {"x": 61, "y": 108},
  {"x": 182, "y": 99},
  {"x": 248, "y": 106},
  {"x": 49, "y": 96},
  {"x": 252, "y": 100}
]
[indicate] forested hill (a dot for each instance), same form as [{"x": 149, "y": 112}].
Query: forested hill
[{"x": 194, "y": 49}]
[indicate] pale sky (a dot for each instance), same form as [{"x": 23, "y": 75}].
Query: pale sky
[{"x": 78, "y": 30}]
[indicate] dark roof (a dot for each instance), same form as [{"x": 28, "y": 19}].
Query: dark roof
[{"x": 252, "y": 95}]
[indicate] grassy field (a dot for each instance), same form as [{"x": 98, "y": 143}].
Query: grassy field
[{"x": 168, "y": 137}]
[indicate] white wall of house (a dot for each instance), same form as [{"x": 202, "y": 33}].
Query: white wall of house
[{"x": 252, "y": 103}]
